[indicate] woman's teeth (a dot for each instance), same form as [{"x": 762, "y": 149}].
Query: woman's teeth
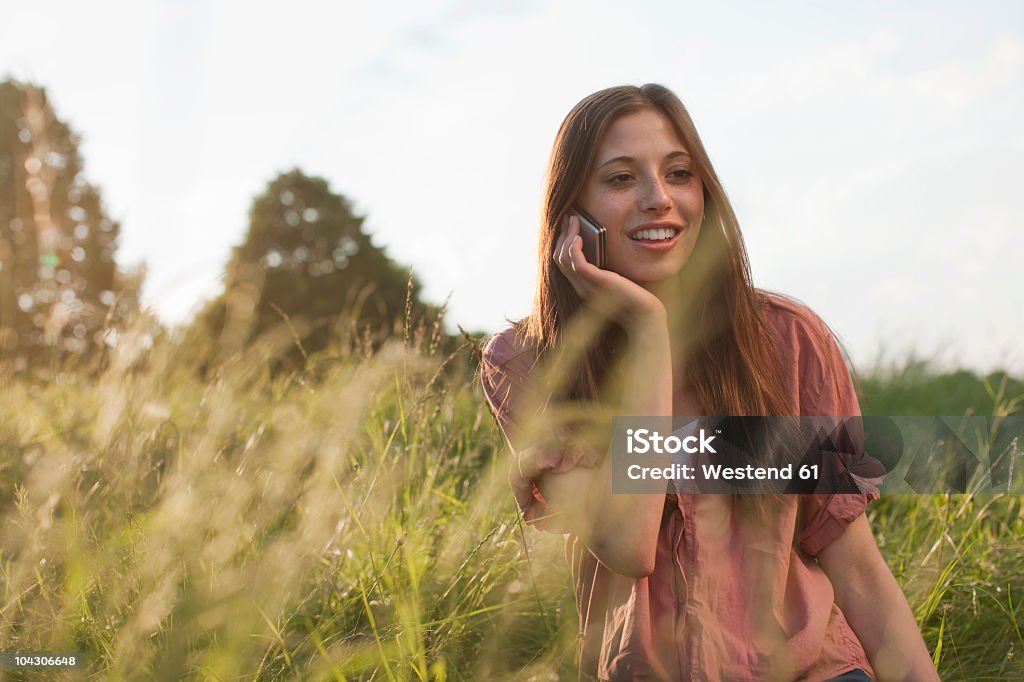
[{"x": 654, "y": 235}]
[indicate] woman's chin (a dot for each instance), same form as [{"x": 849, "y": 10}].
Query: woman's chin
[{"x": 653, "y": 278}]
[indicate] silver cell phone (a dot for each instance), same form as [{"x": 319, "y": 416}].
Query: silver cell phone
[{"x": 593, "y": 239}]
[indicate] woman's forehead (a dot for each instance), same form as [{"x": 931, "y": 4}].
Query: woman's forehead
[{"x": 640, "y": 134}]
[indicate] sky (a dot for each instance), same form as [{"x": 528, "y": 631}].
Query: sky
[{"x": 872, "y": 151}]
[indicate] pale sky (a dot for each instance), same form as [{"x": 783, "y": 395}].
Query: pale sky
[{"x": 872, "y": 150}]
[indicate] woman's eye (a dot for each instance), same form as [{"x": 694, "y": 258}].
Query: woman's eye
[
  {"x": 680, "y": 174},
  {"x": 619, "y": 179}
]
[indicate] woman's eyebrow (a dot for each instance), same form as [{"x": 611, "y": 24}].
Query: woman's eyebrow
[
  {"x": 616, "y": 159},
  {"x": 630, "y": 159}
]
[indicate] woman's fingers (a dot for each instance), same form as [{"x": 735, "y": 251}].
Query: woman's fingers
[
  {"x": 570, "y": 259},
  {"x": 529, "y": 465},
  {"x": 526, "y": 467},
  {"x": 536, "y": 460},
  {"x": 520, "y": 477},
  {"x": 522, "y": 489},
  {"x": 562, "y": 257},
  {"x": 572, "y": 235}
]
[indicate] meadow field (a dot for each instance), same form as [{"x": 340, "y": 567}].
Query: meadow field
[{"x": 351, "y": 520}]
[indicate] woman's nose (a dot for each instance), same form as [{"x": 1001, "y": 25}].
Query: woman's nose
[{"x": 654, "y": 198}]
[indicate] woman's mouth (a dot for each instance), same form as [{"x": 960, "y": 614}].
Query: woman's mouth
[
  {"x": 656, "y": 237},
  {"x": 658, "y": 234}
]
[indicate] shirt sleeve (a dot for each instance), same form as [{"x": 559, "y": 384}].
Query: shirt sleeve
[
  {"x": 826, "y": 390},
  {"x": 504, "y": 371}
]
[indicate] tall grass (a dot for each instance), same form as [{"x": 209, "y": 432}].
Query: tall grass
[{"x": 350, "y": 521}]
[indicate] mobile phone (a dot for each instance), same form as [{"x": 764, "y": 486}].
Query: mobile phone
[{"x": 593, "y": 239}]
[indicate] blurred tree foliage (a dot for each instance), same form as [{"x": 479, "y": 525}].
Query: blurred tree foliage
[
  {"x": 60, "y": 288},
  {"x": 306, "y": 269},
  {"x": 916, "y": 389}
]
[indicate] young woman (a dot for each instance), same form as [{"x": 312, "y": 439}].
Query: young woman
[{"x": 684, "y": 586}]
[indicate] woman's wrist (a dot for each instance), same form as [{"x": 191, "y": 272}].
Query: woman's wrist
[
  {"x": 648, "y": 379},
  {"x": 649, "y": 325}
]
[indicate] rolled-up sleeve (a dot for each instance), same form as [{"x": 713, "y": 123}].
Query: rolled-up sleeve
[
  {"x": 825, "y": 517},
  {"x": 501, "y": 384},
  {"x": 827, "y": 390}
]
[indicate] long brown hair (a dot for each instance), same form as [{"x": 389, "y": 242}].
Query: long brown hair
[{"x": 730, "y": 363}]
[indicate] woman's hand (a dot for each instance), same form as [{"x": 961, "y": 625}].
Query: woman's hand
[
  {"x": 630, "y": 303},
  {"x": 620, "y": 530},
  {"x": 529, "y": 465}
]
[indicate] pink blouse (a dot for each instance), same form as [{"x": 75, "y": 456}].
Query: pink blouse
[{"x": 731, "y": 597}]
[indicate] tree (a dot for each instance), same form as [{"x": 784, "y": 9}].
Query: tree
[
  {"x": 307, "y": 261},
  {"x": 59, "y": 283}
]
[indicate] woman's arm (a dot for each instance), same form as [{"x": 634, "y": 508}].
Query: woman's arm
[
  {"x": 875, "y": 607},
  {"x": 621, "y": 530}
]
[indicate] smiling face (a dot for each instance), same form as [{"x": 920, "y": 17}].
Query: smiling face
[{"x": 644, "y": 189}]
